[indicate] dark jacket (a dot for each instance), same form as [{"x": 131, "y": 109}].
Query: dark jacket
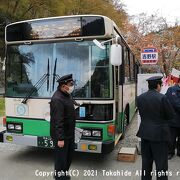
[
  {"x": 155, "y": 111},
  {"x": 62, "y": 123},
  {"x": 173, "y": 94}
]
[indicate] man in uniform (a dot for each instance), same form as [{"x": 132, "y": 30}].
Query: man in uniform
[
  {"x": 173, "y": 94},
  {"x": 155, "y": 111},
  {"x": 62, "y": 126}
]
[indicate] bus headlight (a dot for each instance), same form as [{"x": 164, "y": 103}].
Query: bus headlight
[
  {"x": 86, "y": 133},
  {"x": 96, "y": 133},
  {"x": 10, "y": 126},
  {"x": 15, "y": 127},
  {"x": 92, "y": 134},
  {"x": 18, "y": 127}
]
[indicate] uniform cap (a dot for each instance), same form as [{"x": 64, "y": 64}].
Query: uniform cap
[
  {"x": 154, "y": 78},
  {"x": 65, "y": 79}
]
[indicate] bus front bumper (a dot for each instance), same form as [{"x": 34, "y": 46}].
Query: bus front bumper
[{"x": 81, "y": 146}]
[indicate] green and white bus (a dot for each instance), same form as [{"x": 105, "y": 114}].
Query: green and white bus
[{"x": 39, "y": 51}]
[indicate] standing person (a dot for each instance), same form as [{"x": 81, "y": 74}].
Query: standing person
[
  {"x": 155, "y": 111},
  {"x": 62, "y": 126},
  {"x": 173, "y": 94},
  {"x": 178, "y": 145}
]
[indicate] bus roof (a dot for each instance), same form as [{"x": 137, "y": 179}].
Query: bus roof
[
  {"x": 71, "y": 16},
  {"x": 60, "y": 17}
]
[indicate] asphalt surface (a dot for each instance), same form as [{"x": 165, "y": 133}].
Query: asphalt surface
[{"x": 29, "y": 163}]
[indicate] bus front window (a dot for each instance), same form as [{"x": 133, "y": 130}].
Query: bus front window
[{"x": 26, "y": 65}]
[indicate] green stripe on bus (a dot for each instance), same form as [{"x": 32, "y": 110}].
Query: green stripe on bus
[
  {"x": 32, "y": 127},
  {"x": 37, "y": 127}
]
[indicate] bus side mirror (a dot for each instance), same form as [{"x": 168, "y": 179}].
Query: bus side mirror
[{"x": 116, "y": 54}]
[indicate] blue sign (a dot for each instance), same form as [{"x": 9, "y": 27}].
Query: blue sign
[
  {"x": 150, "y": 50},
  {"x": 82, "y": 112}
]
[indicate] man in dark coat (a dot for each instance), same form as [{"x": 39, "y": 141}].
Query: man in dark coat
[
  {"x": 62, "y": 126},
  {"x": 173, "y": 94},
  {"x": 155, "y": 111}
]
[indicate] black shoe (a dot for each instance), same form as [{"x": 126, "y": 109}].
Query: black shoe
[
  {"x": 63, "y": 178},
  {"x": 170, "y": 156},
  {"x": 67, "y": 177}
]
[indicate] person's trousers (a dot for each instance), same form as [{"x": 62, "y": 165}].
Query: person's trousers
[
  {"x": 157, "y": 152},
  {"x": 178, "y": 144},
  {"x": 63, "y": 158},
  {"x": 175, "y": 133}
]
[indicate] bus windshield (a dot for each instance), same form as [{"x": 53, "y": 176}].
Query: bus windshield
[{"x": 27, "y": 64}]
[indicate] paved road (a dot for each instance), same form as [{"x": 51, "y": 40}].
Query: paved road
[{"x": 28, "y": 163}]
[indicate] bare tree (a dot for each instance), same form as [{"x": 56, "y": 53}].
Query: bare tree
[{"x": 154, "y": 31}]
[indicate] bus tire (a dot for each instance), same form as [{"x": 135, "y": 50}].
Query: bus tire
[{"x": 125, "y": 121}]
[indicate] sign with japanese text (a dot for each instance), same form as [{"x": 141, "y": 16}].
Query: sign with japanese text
[{"x": 149, "y": 55}]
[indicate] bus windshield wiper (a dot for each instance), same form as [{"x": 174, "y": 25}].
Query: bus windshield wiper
[
  {"x": 38, "y": 85},
  {"x": 55, "y": 76},
  {"x": 48, "y": 75}
]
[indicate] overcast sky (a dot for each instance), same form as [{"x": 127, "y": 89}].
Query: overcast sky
[{"x": 170, "y": 9}]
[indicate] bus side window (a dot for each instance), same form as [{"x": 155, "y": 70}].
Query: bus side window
[
  {"x": 132, "y": 68},
  {"x": 122, "y": 70},
  {"x": 127, "y": 65}
]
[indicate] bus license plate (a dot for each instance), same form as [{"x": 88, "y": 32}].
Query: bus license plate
[{"x": 46, "y": 142}]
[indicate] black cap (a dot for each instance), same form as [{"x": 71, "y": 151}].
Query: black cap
[
  {"x": 65, "y": 79},
  {"x": 154, "y": 78}
]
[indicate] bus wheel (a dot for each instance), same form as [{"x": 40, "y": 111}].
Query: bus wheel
[{"x": 126, "y": 119}]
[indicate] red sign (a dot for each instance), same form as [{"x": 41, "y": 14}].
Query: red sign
[{"x": 149, "y": 55}]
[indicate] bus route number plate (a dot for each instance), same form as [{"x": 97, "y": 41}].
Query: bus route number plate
[{"x": 46, "y": 142}]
